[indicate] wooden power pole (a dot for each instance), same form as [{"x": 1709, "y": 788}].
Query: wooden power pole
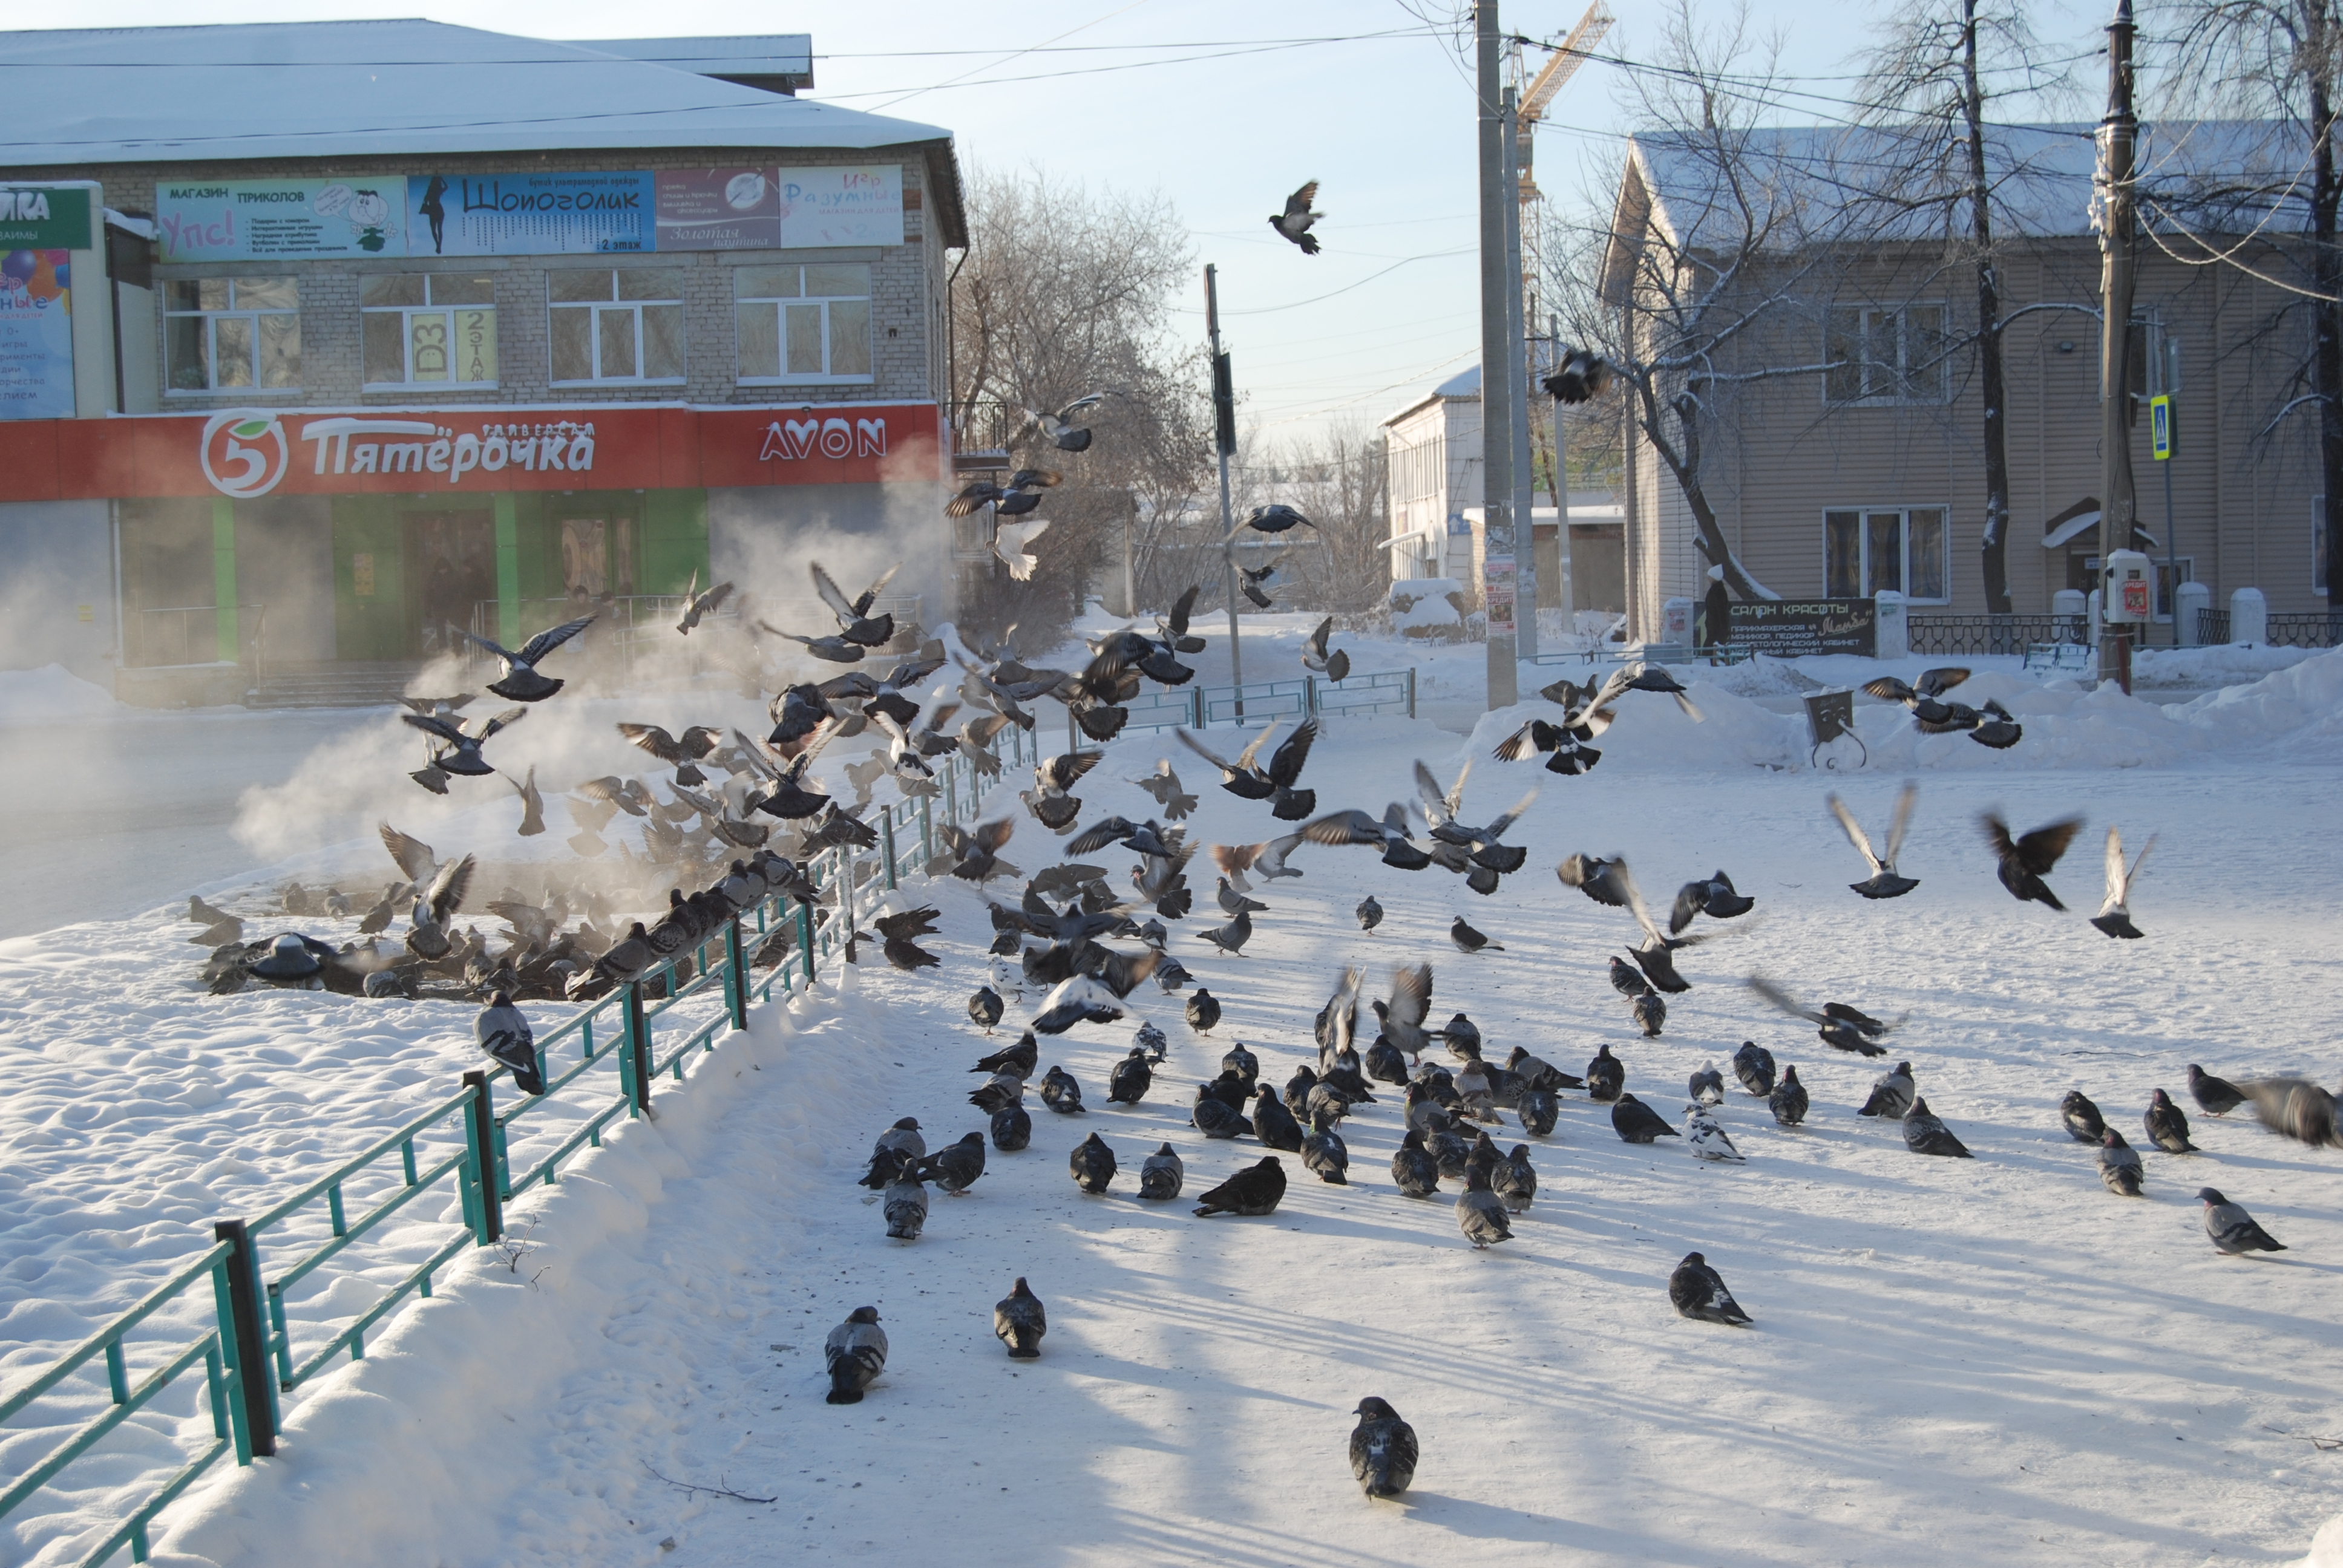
[{"x": 2118, "y": 135}]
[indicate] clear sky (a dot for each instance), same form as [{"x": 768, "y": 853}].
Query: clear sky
[{"x": 1190, "y": 98}]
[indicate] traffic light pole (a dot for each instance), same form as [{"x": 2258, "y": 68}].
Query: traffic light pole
[{"x": 1224, "y": 439}]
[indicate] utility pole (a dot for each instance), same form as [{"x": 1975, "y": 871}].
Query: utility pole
[
  {"x": 1224, "y": 439},
  {"x": 1566, "y": 594},
  {"x": 2118, "y": 506},
  {"x": 1500, "y": 293},
  {"x": 1517, "y": 396}
]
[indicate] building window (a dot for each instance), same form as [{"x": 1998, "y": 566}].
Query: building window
[
  {"x": 428, "y": 329},
  {"x": 624, "y": 325},
  {"x": 2168, "y": 573},
  {"x": 1875, "y": 550},
  {"x": 224, "y": 333},
  {"x": 1887, "y": 356},
  {"x": 805, "y": 323}
]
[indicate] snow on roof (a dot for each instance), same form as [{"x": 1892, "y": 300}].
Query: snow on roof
[
  {"x": 774, "y": 62},
  {"x": 328, "y": 89},
  {"x": 1465, "y": 383}
]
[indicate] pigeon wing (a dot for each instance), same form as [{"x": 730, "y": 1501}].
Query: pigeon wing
[
  {"x": 2038, "y": 851},
  {"x": 1245, "y": 759},
  {"x": 545, "y": 642},
  {"x": 1854, "y": 833},
  {"x": 831, "y": 594},
  {"x": 431, "y": 725},
  {"x": 1286, "y": 763},
  {"x": 1298, "y": 203},
  {"x": 417, "y": 860},
  {"x": 1783, "y": 1000},
  {"x": 1938, "y": 681},
  {"x": 1908, "y": 798},
  {"x": 1410, "y": 997}
]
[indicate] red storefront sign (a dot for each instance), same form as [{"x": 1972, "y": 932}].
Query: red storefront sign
[{"x": 247, "y": 453}]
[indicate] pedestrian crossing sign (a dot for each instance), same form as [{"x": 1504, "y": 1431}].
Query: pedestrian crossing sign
[{"x": 2159, "y": 426}]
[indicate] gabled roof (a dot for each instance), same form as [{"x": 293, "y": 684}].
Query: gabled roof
[
  {"x": 1465, "y": 386},
  {"x": 771, "y": 63},
  {"x": 82, "y": 98}
]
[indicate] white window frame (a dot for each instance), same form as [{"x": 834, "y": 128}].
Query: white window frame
[
  {"x": 779, "y": 304},
  {"x": 211, "y": 320},
  {"x": 1889, "y": 379},
  {"x": 406, "y": 314},
  {"x": 597, "y": 309},
  {"x": 1902, "y": 513}
]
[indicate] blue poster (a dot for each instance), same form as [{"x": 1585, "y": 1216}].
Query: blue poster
[
  {"x": 36, "y": 380},
  {"x": 528, "y": 215}
]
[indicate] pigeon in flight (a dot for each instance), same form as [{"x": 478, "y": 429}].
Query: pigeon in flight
[
  {"x": 2023, "y": 863},
  {"x": 1840, "y": 1026},
  {"x": 855, "y": 1353},
  {"x": 1383, "y": 1449},
  {"x": 1056, "y": 427},
  {"x": 1883, "y": 882},
  {"x": 1335, "y": 666},
  {"x": 856, "y": 624},
  {"x": 2234, "y": 1232},
  {"x": 1165, "y": 786},
  {"x": 521, "y": 682},
  {"x": 2115, "y": 915},
  {"x": 1698, "y": 1292},
  {"x": 696, "y": 605},
  {"x": 1295, "y": 222},
  {"x": 460, "y": 754},
  {"x": 1020, "y": 494},
  {"x": 2296, "y": 1108},
  {"x": 1579, "y": 376},
  {"x": 1277, "y": 517},
  {"x": 1018, "y": 1322},
  {"x": 1716, "y": 896}
]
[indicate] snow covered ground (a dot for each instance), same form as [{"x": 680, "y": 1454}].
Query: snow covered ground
[{"x": 1954, "y": 1361}]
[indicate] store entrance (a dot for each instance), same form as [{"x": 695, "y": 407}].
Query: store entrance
[{"x": 451, "y": 566}]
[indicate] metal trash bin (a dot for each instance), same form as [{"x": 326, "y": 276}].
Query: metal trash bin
[{"x": 1829, "y": 716}]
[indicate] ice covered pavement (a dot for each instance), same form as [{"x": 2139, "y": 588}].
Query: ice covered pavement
[{"x": 1954, "y": 1361}]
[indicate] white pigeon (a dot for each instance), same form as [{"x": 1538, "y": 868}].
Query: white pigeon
[
  {"x": 2115, "y": 915},
  {"x": 1704, "y": 1136},
  {"x": 1012, "y": 543}
]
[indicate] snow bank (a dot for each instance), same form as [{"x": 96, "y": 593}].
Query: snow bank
[
  {"x": 2327, "y": 1546},
  {"x": 1420, "y": 604},
  {"x": 2300, "y": 709},
  {"x": 51, "y": 692},
  {"x": 2224, "y": 664}
]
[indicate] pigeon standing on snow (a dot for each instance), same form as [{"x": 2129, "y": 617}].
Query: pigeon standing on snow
[
  {"x": 1324, "y": 1151},
  {"x": 1480, "y": 1213},
  {"x": 1892, "y": 1094},
  {"x": 1369, "y": 913},
  {"x": 985, "y": 1008},
  {"x": 1707, "y": 1086},
  {"x": 1636, "y": 1122},
  {"x": 1788, "y": 1102},
  {"x": 1414, "y": 1172},
  {"x": 856, "y": 1353},
  {"x": 1382, "y": 1449},
  {"x": 956, "y": 1166},
  {"x": 2023, "y": 863},
  {"x": 2082, "y": 1118},
  {"x": 1160, "y": 1174},
  {"x": 1606, "y": 1076},
  {"x": 2214, "y": 1096},
  {"x": 1018, "y": 1322},
  {"x": 897, "y": 1145},
  {"x": 1752, "y": 1064},
  {"x": 907, "y": 1205},
  {"x": 1924, "y": 1133},
  {"x": 1060, "y": 1093},
  {"x": 1295, "y": 222},
  {"x": 1012, "y": 1128},
  {"x": 505, "y": 1035},
  {"x": 1469, "y": 940},
  {"x": 1704, "y": 1136},
  {"x": 1204, "y": 1010},
  {"x": 1093, "y": 1165},
  {"x": 1699, "y": 1293},
  {"x": 1539, "y": 1110},
  {"x": 1515, "y": 1180},
  {"x": 1273, "y": 1124},
  {"x": 2233, "y": 1230},
  {"x": 1128, "y": 1083},
  {"x": 2167, "y": 1125},
  {"x": 1253, "y": 1190},
  {"x": 2120, "y": 1165}
]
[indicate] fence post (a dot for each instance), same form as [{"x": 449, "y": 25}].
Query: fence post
[
  {"x": 927, "y": 823},
  {"x": 1195, "y": 707},
  {"x": 223, "y": 1317},
  {"x": 736, "y": 974},
  {"x": 1410, "y": 692},
  {"x": 1309, "y": 697},
  {"x": 805, "y": 938},
  {"x": 257, "y": 1390},
  {"x": 480, "y": 1129},
  {"x": 635, "y": 1063},
  {"x": 887, "y": 844},
  {"x": 951, "y": 793}
]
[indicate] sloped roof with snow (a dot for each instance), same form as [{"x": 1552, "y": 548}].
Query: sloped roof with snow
[
  {"x": 86, "y": 96},
  {"x": 1465, "y": 383}
]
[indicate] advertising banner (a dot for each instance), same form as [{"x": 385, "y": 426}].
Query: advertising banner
[
  {"x": 263, "y": 220},
  {"x": 1497, "y": 587},
  {"x": 44, "y": 218},
  {"x": 771, "y": 208},
  {"x": 1793, "y": 628},
  {"x": 36, "y": 380},
  {"x": 529, "y": 214},
  {"x": 855, "y": 205}
]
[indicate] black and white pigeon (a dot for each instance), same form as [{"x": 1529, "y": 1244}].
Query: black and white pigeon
[
  {"x": 2167, "y": 1125},
  {"x": 505, "y": 1035},
  {"x": 1253, "y": 1190},
  {"x": 1060, "y": 1093},
  {"x": 1318, "y": 659},
  {"x": 1840, "y": 1026},
  {"x": 2022, "y": 862},
  {"x": 1093, "y": 1164},
  {"x": 1295, "y": 221},
  {"x": 1058, "y": 428},
  {"x": 1925, "y": 1133},
  {"x": 2115, "y": 912},
  {"x": 2234, "y": 1232},
  {"x": 2214, "y": 1096},
  {"x": 1324, "y": 1151},
  {"x": 1480, "y": 1212},
  {"x": 2080, "y": 1117},
  {"x": 1707, "y": 1086},
  {"x": 907, "y": 1204},
  {"x": 1892, "y": 1093},
  {"x": 1152, "y": 1044},
  {"x": 1884, "y": 882},
  {"x": 855, "y": 1354},
  {"x": 459, "y": 749},
  {"x": 956, "y": 1166},
  {"x": 984, "y": 1007},
  {"x": 1636, "y": 1122},
  {"x": 1382, "y": 1449},
  {"x": 1606, "y": 1076},
  {"x": 1160, "y": 1174},
  {"x": 1698, "y": 1292},
  {"x": 2120, "y": 1165},
  {"x": 1788, "y": 1102},
  {"x": 1752, "y": 1064},
  {"x": 1705, "y": 1136},
  {"x": 1369, "y": 913},
  {"x": 1515, "y": 1180},
  {"x": 1012, "y": 1128},
  {"x": 1469, "y": 940},
  {"x": 1204, "y": 1010},
  {"x": 1018, "y": 1322},
  {"x": 521, "y": 682}
]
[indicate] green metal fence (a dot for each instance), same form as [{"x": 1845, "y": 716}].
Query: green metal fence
[{"x": 598, "y": 1066}]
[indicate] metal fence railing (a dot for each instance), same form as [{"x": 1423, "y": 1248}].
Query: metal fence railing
[
  {"x": 191, "y": 634},
  {"x": 271, "y": 1327},
  {"x": 632, "y": 629},
  {"x": 1256, "y": 703},
  {"x": 1990, "y": 634},
  {"x": 2316, "y": 629}
]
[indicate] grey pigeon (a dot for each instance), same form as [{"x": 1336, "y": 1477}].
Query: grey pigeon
[
  {"x": 1238, "y": 1060},
  {"x": 956, "y": 1166},
  {"x": 2296, "y": 1108},
  {"x": 1537, "y": 1073},
  {"x": 2214, "y": 1096},
  {"x": 2120, "y": 1165},
  {"x": 1018, "y": 1322},
  {"x": 1382, "y": 1449},
  {"x": 1539, "y": 1110},
  {"x": 1060, "y": 1093},
  {"x": 2023, "y": 861},
  {"x": 855, "y": 1353},
  {"x": 1324, "y": 1152},
  {"x": 903, "y": 1137},
  {"x": 1012, "y": 1128},
  {"x": 1924, "y": 1133},
  {"x": 1469, "y": 940},
  {"x": 1636, "y": 1122},
  {"x": 1752, "y": 1064},
  {"x": 1699, "y": 1293},
  {"x": 1275, "y": 1125},
  {"x": 1093, "y": 1165},
  {"x": 505, "y": 1035},
  {"x": 1160, "y": 1174},
  {"x": 1215, "y": 1118},
  {"x": 985, "y": 1008},
  {"x": 1606, "y": 1076},
  {"x": 2233, "y": 1230},
  {"x": 1480, "y": 1213},
  {"x": 1514, "y": 1181},
  {"x": 1788, "y": 1101},
  {"x": 1232, "y": 938},
  {"x": 1651, "y": 1013},
  {"x": 2167, "y": 1125},
  {"x": 1707, "y": 1086},
  {"x": 1462, "y": 1036},
  {"x": 1253, "y": 1190},
  {"x": 907, "y": 1205},
  {"x": 1369, "y": 913},
  {"x": 1892, "y": 1094},
  {"x": 1883, "y": 882},
  {"x": 1203, "y": 1011},
  {"x": 1414, "y": 1172},
  {"x": 2080, "y": 1117}
]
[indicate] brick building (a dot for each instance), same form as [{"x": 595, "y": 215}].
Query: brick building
[{"x": 373, "y": 328}]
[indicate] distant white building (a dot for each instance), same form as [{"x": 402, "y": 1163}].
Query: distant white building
[{"x": 1433, "y": 451}]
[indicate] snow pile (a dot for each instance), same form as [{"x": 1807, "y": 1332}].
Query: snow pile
[
  {"x": 49, "y": 693},
  {"x": 2223, "y": 664},
  {"x": 1419, "y": 605},
  {"x": 2327, "y": 1546},
  {"x": 2300, "y": 709}
]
